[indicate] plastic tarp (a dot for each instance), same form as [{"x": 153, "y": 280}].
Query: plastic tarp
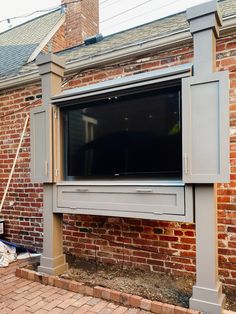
[
  {"x": 10, "y": 252},
  {"x": 7, "y": 254}
]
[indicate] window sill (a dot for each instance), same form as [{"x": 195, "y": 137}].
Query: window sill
[{"x": 123, "y": 183}]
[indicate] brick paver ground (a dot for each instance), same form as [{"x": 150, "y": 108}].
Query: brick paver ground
[{"x": 19, "y": 295}]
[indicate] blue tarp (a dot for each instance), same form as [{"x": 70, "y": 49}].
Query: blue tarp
[{"x": 19, "y": 248}]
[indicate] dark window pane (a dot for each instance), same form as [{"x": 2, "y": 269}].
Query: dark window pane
[{"x": 137, "y": 135}]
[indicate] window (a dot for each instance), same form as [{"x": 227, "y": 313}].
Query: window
[
  {"x": 133, "y": 146},
  {"x": 129, "y": 135}
]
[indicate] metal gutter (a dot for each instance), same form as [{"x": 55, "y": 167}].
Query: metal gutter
[
  {"x": 20, "y": 80},
  {"x": 147, "y": 46},
  {"x": 132, "y": 50}
]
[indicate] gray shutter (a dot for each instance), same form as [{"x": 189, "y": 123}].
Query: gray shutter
[
  {"x": 205, "y": 115},
  {"x": 41, "y": 156}
]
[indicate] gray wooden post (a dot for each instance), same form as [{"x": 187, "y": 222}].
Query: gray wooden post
[
  {"x": 51, "y": 69},
  {"x": 205, "y": 22},
  {"x": 53, "y": 260},
  {"x": 207, "y": 292}
]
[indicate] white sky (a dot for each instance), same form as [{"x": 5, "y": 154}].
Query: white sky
[{"x": 112, "y": 16}]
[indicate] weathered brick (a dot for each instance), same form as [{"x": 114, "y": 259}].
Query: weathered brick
[
  {"x": 179, "y": 310},
  {"x": 146, "y": 304},
  {"x": 156, "y": 307},
  {"x": 135, "y": 301}
]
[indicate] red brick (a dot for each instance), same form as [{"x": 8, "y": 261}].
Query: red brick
[
  {"x": 168, "y": 309},
  {"x": 81, "y": 288},
  {"x": 180, "y": 310},
  {"x": 115, "y": 296},
  {"x": 135, "y": 301},
  {"x": 106, "y": 294},
  {"x": 58, "y": 282},
  {"x": 97, "y": 292},
  {"x": 24, "y": 273},
  {"x": 18, "y": 272},
  {"x": 146, "y": 304},
  {"x": 31, "y": 275},
  {"x": 38, "y": 277},
  {"x": 73, "y": 286},
  {"x": 156, "y": 307},
  {"x": 189, "y": 311},
  {"x": 124, "y": 298},
  {"x": 51, "y": 280}
]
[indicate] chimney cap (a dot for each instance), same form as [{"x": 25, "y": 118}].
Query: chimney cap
[{"x": 93, "y": 39}]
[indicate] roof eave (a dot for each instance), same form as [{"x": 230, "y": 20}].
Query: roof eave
[{"x": 132, "y": 50}]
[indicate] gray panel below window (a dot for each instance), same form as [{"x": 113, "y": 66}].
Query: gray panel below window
[{"x": 148, "y": 202}]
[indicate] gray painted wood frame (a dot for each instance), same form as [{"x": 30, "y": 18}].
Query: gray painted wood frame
[
  {"x": 41, "y": 150},
  {"x": 174, "y": 203},
  {"x": 51, "y": 68},
  {"x": 149, "y": 199},
  {"x": 205, "y": 112}
]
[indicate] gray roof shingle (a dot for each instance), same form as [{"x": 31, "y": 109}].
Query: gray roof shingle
[
  {"x": 18, "y": 43},
  {"x": 149, "y": 31}
]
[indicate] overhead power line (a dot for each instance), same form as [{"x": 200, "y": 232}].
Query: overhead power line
[
  {"x": 104, "y": 1},
  {"x": 125, "y": 11},
  {"x": 147, "y": 12},
  {"x": 109, "y": 4},
  {"x": 38, "y": 11},
  {"x": 29, "y": 14}
]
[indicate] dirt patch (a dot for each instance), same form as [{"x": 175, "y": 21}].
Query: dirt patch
[
  {"x": 230, "y": 299},
  {"x": 160, "y": 287},
  {"x": 153, "y": 286}
]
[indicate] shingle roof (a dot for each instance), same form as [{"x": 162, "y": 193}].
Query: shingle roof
[
  {"x": 18, "y": 43},
  {"x": 149, "y": 31},
  {"x": 128, "y": 37}
]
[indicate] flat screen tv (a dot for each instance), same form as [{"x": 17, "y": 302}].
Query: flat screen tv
[{"x": 134, "y": 135}]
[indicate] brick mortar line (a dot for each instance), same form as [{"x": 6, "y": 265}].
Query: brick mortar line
[{"x": 103, "y": 293}]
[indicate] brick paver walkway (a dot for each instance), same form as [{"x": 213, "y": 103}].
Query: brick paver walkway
[{"x": 19, "y": 295}]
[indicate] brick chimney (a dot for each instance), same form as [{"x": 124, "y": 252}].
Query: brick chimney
[{"x": 81, "y": 20}]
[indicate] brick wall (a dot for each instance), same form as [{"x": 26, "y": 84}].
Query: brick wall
[
  {"x": 57, "y": 42},
  {"x": 81, "y": 21},
  {"x": 226, "y": 51},
  {"x": 23, "y": 206},
  {"x": 155, "y": 245}
]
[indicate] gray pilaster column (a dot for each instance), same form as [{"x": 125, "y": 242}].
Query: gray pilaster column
[
  {"x": 53, "y": 260},
  {"x": 207, "y": 293},
  {"x": 51, "y": 69},
  {"x": 204, "y": 21}
]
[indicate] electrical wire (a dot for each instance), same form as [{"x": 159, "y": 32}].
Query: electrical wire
[
  {"x": 103, "y": 21},
  {"x": 104, "y": 1},
  {"x": 125, "y": 11},
  {"x": 38, "y": 11},
  {"x": 109, "y": 4},
  {"x": 29, "y": 14},
  {"x": 145, "y": 13}
]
